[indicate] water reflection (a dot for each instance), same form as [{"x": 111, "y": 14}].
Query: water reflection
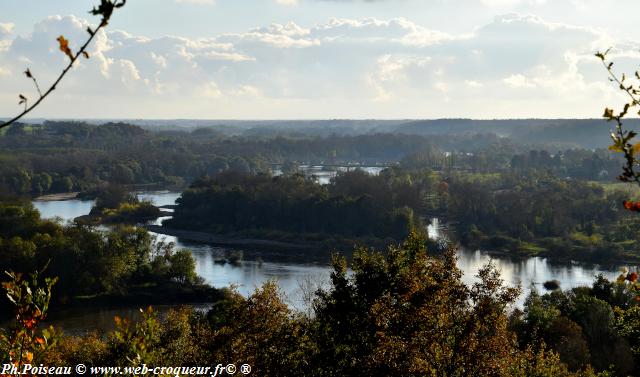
[
  {"x": 529, "y": 273},
  {"x": 323, "y": 174},
  {"x": 532, "y": 272},
  {"x": 67, "y": 210},
  {"x": 298, "y": 273},
  {"x": 295, "y": 279},
  {"x": 159, "y": 198}
]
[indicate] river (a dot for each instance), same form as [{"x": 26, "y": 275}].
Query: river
[{"x": 297, "y": 276}]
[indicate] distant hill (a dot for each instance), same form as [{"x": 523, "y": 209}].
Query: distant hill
[
  {"x": 587, "y": 133},
  {"x": 552, "y": 133}
]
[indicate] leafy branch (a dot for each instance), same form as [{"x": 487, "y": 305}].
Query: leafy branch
[
  {"x": 23, "y": 342},
  {"x": 105, "y": 10},
  {"x": 623, "y": 139}
]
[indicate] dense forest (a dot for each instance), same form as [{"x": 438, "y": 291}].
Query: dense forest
[
  {"x": 557, "y": 133},
  {"x": 535, "y": 214},
  {"x": 542, "y": 214},
  {"x": 354, "y": 204},
  {"x": 496, "y": 194},
  {"x": 93, "y": 264},
  {"x": 56, "y": 157},
  {"x": 500, "y": 195},
  {"x": 403, "y": 311}
]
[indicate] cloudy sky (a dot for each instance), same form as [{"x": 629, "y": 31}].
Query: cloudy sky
[{"x": 320, "y": 59}]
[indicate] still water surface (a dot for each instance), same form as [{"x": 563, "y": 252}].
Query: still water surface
[{"x": 298, "y": 275}]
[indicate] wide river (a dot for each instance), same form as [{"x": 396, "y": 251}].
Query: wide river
[{"x": 296, "y": 276}]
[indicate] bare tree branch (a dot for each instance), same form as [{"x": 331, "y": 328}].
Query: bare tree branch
[{"x": 105, "y": 9}]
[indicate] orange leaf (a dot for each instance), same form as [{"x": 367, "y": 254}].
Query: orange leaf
[
  {"x": 631, "y": 206},
  {"x": 64, "y": 46},
  {"x": 29, "y": 323}
]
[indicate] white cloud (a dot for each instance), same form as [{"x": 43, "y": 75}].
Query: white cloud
[
  {"x": 247, "y": 91},
  {"x": 128, "y": 71},
  {"x": 441, "y": 86},
  {"x": 197, "y": 2},
  {"x": 160, "y": 60},
  {"x": 509, "y": 3},
  {"x": 276, "y": 35},
  {"x": 211, "y": 90},
  {"x": 518, "y": 81},
  {"x": 342, "y": 67},
  {"x": 287, "y": 2},
  {"x": 6, "y": 29}
]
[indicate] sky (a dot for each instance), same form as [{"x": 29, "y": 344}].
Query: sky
[{"x": 321, "y": 59}]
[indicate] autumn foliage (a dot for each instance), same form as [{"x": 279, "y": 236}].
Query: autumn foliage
[
  {"x": 24, "y": 343},
  {"x": 398, "y": 312}
]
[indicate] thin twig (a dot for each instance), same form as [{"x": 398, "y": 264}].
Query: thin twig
[
  {"x": 53, "y": 87},
  {"x": 35, "y": 82},
  {"x": 617, "y": 80},
  {"x": 106, "y": 9}
]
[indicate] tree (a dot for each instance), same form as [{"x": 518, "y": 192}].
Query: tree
[
  {"x": 183, "y": 267},
  {"x": 406, "y": 313},
  {"x": 111, "y": 196},
  {"x": 41, "y": 183}
]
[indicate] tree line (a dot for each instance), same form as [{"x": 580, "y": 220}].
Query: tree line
[
  {"x": 353, "y": 205},
  {"x": 535, "y": 213},
  {"x": 56, "y": 157}
]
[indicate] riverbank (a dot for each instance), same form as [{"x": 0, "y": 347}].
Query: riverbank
[
  {"x": 163, "y": 294},
  {"x": 555, "y": 249},
  {"x": 116, "y": 218},
  {"x": 96, "y": 314},
  {"x": 318, "y": 244},
  {"x": 125, "y": 210},
  {"x": 214, "y": 239},
  {"x": 57, "y": 197},
  {"x": 291, "y": 266},
  {"x": 166, "y": 294}
]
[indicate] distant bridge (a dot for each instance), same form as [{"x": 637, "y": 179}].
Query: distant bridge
[{"x": 347, "y": 166}]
